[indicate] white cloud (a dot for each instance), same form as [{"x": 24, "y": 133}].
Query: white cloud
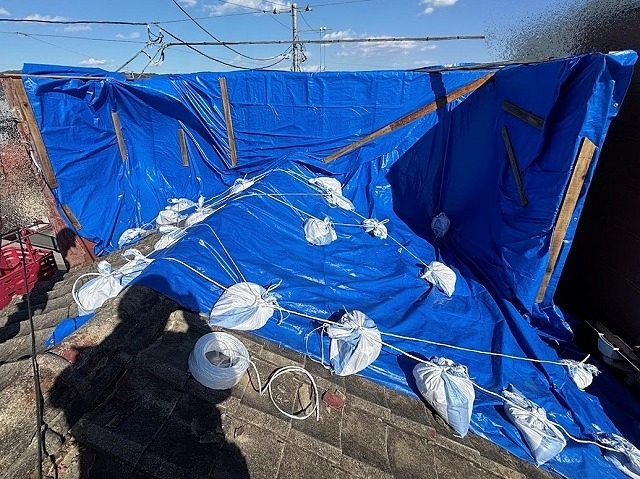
[
  {"x": 383, "y": 47},
  {"x": 241, "y": 5},
  {"x": 77, "y": 28},
  {"x": 93, "y": 62},
  {"x": 188, "y": 3},
  {"x": 37, "y": 16},
  {"x": 131, "y": 36},
  {"x": 431, "y": 5},
  {"x": 5, "y": 12}
]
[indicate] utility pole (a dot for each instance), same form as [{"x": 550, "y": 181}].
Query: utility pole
[{"x": 296, "y": 47}]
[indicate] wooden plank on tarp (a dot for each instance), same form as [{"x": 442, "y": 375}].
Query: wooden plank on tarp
[
  {"x": 227, "y": 118},
  {"x": 118, "y": 129},
  {"x": 71, "y": 217},
  {"x": 522, "y": 114},
  {"x": 585, "y": 155},
  {"x": 515, "y": 168},
  {"x": 34, "y": 130},
  {"x": 183, "y": 147},
  {"x": 411, "y": 117}
]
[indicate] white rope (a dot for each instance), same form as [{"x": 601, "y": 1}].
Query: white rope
[
  {"x": 74, "y": 293},
  {"x": 202, "y": 275}
]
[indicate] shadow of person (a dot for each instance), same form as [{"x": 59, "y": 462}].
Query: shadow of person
[{"x": 128, "y": 400}]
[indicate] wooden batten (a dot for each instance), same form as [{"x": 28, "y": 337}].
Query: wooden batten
[
  {"x": 227, "y": 118},
  {"x": 522, "y": 114},
  {"x": 71, "y": 217},
  {"x": 183, "y": 147},
  {"x": 34, "y": 131},
  {"x": 515, "y": 168},
  {"x": 411, "y": 117},
  {"x": 585, "y": 155},
  {"x": 118, "y": 129}
]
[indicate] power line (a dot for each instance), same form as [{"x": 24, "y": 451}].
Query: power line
[
  {"x": 341, "y": 3},
  {"x": 45, "y": 35},
  {"x": 217, "y": 60},
  {"x": 54, "y": 45},
  {"x": 217, "y": 39},
  {"x": 328, "y": 41}
]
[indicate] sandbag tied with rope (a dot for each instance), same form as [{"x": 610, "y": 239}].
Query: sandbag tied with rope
[
  {"x": 319, "y": 232},
  {"x": 544, "y": 439},
  {"x": 106, "y": 283},
  {"x": 375, "y": 228},
  {"x": 581, "y": 372},
  {"x": 331, "y": 189},
  {"x": 621, "y": 453},
  {"x": 441, "y": 276},
  {"x": 355, "y": 343},
  {"x": 447, "y": 388},
  {"x": 244, "y": 306}
]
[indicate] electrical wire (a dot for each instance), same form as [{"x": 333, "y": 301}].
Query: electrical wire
[
  {"x": 114, "y": 40},
  {"x": 54, "y": 45},
  {"x": 218, "y": 40},
  {"x": 34, "y": 361},
  {"x": 217, "y": 60}
]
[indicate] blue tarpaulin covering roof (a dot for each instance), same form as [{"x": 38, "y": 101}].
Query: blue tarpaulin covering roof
[{"x": 453, "y": 160}]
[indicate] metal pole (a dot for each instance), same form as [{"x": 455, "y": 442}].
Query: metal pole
[{"x": 295, "y": 66}]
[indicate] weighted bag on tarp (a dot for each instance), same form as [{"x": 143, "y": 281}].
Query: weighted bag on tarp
[
  {"x": 545, "y": 440},
  {"x": 626, "y": 456},
  {"x": 355, "y": 343},
  {"x": 447, "y": 388},
  {"x": 319, "y": 232},
  {"x": 243, "y": 306}
]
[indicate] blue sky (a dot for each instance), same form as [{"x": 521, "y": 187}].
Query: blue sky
[{"x": 233, "y": 20}]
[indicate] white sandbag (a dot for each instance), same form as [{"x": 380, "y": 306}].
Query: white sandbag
[
  {"x": 627, "y": 456},
  {"x": 332, "y": 191},
  {"x": 136, "y": 263},
  {"x": 447, "y": 388},
  {"x": 240, "y": 185},
  {"x": 319, "y": 232},
  {"x": 441, "y": 276},
  {"x": 91, "y": 295},
  {"x": 131, "y": 235},
  {"x": 440, "y": 225},
  {"x": 199, "y": 215},
  {"x": 355, "y": 343},
  {"x": 545, "y": 441},
  {"x": 180, "y": 204},
  {"x": 243, "y": 306},
  {"x": 375, "y": 228},
  {"x": 168, "y": 216},
  {"x": 581, "y": 372},
  {"x": 169, "y": 238}
]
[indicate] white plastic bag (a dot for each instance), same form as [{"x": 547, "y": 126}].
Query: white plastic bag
[
  {"x": 581, "y": 372},
  {"x": 319, "y": 232},
  {"x": 332, "y": 191},
  {"x": 627, "y": 457},
  {"x": 136, "y": 263},
  {"x": 131, "y": 235},
  {"x": 447, "y": 388},
  {"x": 355, "y": 343},
  {"x": 168, "y": 216},
  {"x": 180, "y": 204},
  {"x": 169, "y": 238},
  {"x": 239, "y": 185},
  {"x": 243, "y": 306},
  {"x": 375, "y": 228},
  {"x": 545, "y": 440},
  {"x": 95, "y": 292},
  {"x": 441, "y": 276}
]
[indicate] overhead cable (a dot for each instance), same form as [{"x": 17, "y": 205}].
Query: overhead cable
[
  {"x": 217, "y": 60},
  {"x": 217, "y": 39}
]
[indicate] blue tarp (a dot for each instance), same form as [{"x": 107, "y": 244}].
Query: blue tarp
[{"x": 453, "y": 161}]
